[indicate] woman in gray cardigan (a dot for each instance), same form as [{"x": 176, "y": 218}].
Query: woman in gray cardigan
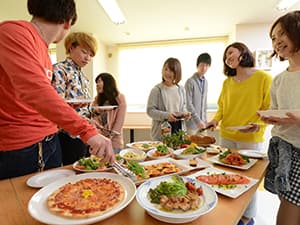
[{"x": 167, "y": 99}]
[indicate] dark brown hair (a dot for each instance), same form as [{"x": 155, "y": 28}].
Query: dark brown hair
[
  {"x": 174, "y": 65},
  {"x": 110, "y": 90},
  {"x": 247, "y": 58},
  {"x": 55, "y": 11},
  {"x": 290, "y": 24}
]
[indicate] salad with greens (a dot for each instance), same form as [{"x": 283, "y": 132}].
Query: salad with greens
[{"x": 174, "y": 187}]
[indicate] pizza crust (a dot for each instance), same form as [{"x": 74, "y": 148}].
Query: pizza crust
[{"x": 86, "y": 198}]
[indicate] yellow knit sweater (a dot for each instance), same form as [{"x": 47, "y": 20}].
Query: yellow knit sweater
[{"x": 238, "y": 105}]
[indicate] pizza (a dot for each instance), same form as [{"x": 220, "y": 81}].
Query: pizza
[{"x": 86, "y": 198}]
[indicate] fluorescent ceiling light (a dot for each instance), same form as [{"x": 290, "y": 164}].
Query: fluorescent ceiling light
[
  {"x": 113, "y": 11},
  {"x": 285, "y": 4}
]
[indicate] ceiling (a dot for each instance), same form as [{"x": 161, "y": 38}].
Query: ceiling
[{"x": 156, "y": 20}]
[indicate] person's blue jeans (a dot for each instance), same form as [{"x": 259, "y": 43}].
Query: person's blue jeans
[{"x": 24, "y": 161}]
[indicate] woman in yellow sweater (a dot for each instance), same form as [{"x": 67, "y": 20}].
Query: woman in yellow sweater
[{"x": 244, "y": 92}]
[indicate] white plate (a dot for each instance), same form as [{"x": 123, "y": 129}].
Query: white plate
[
  {"x": 232, "y": 193},
  {"x": 215, "y": 159},
  {"x": 279, "y": 113},
  {"x": 151, "y": 152},
  {"x": 141, "y": 154},
  {"x": 83, "y": 170},
  {"x": 200, "y": 163},
  {"x": 239, "y": 127},
  {"x": 209, "y": 201},
  {"x": 252, "y": 153},
  {"x": 215, "y": 149},
  {"x": 37, "y": 206},
  {"x": 79, "y": 100},
  {"x": 184, "y": 168},
  {"x": 178, "y": 154},
  {"x": 44, "y": 178},
  {"x": 139, "y": 145},
  {"x": 106, "y": 107}
]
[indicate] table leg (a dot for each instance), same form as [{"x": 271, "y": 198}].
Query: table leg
[{"x": 131, "y": 135}]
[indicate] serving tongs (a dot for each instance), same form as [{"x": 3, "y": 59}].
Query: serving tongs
[
  {"x": 124, "y": 171},
  {"x": 203, "y": 129},
  {"x": 111, "y": 133}
]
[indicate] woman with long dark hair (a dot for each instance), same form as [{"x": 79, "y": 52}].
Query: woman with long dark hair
[{"x": 110, "y": 121}]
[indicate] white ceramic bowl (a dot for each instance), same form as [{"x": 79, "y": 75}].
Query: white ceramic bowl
[
  {"x": 151, "y": 152},
  {"x": 209, "y": 201},
  {"x": 133, "y": 154}
]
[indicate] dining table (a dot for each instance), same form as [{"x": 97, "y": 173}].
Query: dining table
[{"x": 15, "y": 195}]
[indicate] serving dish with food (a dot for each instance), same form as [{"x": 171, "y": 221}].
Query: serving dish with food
[
  {"x": 233, "y": 159},
  {"x": 161, "y": 151},
  {"x": 133, "y": 154},
  {"x": 92, "y": 164},
  {"x": 155, "y": 168},
  {"x": 215, "y": 149},
  {"x": 226, "y": 183},
  {"x": 175, "y": 199},
  {"x": 191, "y": 151},
  {"x": 108, "y": 193},
  {"x": 144, "y": 145}
]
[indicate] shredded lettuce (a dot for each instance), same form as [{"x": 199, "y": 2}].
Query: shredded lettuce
[{"x": 169, "y": 188}]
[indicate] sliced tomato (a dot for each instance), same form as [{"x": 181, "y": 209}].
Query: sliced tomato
[{"x": 225, "y": 179}]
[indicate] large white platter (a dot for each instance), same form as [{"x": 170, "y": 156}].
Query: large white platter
[
  {"x": 37, "y": 206},
  {"x": 209, "y": 201},
  {"x": 44, "y": 178},
  {"x": 232, "y": 193},
  {"x": 215, "y": 159},
  {"x": 278, "y": 113}
]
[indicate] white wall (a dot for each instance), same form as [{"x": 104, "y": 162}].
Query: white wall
[{"x": 255, "y": 36}]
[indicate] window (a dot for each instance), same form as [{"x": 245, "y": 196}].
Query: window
[
  {"x": 140, "y": 67},
  {"x": 52, "y": 53}
]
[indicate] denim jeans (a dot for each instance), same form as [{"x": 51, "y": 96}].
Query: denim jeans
[{"x": 24, "y": 161}]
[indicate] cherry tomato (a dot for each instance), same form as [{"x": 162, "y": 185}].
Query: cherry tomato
[
  {"x": 199, "y": 191},
  {"x": 190, "y": 186},
  {"x": 184, "y": 145}
]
